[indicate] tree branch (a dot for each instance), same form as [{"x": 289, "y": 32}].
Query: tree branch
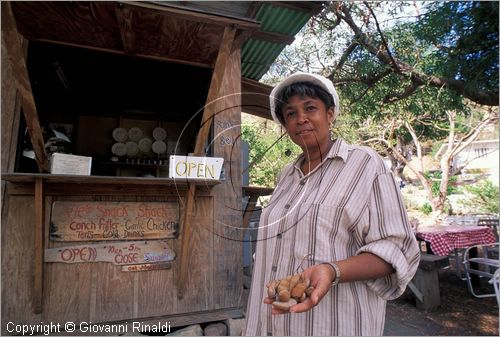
[
  {"x": 434, "y": 125},
  {"x": 457, "y": 148},
  {"x": 460, "y": 87},
  {"x": 352, "y": 46},
  {"x": 394, "y": 64},
  {"x": 369, "y": 80},
  {"x": 391, "y": 98}
]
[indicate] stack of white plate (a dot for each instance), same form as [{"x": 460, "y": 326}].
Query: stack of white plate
[
  {"x": 145, "y": 145},
  {"x": 120, "y": 135},
  {"x": 132, "y": 149},
  {"x": 119, "y": 149},
  {"x": 159, "y": 147},
  {"x": 159, "y": 133},
  {"x": 135, "y": 134}
]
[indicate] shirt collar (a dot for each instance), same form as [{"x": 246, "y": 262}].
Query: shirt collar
[{"x": 339, "y": 149}]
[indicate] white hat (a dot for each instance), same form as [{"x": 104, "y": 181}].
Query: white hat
[{"x": 304, "y": 77}]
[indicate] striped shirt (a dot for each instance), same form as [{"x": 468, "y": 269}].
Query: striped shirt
[{"x": 349, "y": 204}]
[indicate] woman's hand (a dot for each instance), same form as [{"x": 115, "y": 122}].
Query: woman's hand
[{"x": 321, "y": 277}]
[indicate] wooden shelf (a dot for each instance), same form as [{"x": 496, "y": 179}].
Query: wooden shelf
[
  {"x": 257, "y": 190},
  {"x": 134, "y": 165},
  {"x": 105, "y": 180}
]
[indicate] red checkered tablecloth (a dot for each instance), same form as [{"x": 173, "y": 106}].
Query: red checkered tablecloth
[{"x": 443, "y": 239}]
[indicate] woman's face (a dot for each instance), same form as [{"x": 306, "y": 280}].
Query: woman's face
[{"x": 307, "y": 122}]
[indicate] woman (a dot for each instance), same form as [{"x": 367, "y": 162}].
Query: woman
[{"x": 337, "y": 213}]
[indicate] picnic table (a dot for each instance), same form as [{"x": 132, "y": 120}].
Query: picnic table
[{"x": 443, "y": 239}]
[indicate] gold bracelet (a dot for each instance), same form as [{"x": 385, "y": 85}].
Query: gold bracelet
[{"x": 336, "y": 280}]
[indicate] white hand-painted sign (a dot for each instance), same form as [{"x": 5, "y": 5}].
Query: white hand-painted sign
[
  {"x": 189, "y": 167},
  {"x": 119, "y": 253}
]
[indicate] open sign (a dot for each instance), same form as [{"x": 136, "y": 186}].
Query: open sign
[{"x": 188, "y": 167}]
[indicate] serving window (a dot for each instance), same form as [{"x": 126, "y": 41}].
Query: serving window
[{"x": 127, "y": 113}]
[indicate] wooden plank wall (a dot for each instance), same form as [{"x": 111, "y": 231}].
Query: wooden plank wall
[
  {"x": 18, "y": 261},
  {"x": 228, "y": 248},
  {"x": 101, "y": 292},
  {"x": 10, "y": 116}
]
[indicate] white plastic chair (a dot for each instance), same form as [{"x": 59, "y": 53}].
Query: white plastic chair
[
  {"x": 483, "y": 266},
  {"x": 495, "y": 281}
]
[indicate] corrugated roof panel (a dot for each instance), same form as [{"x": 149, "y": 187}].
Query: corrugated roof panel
[
  {"x": 281, "y": 20},
  {"x": 258, "y": 58},
  {"x": 258, "y": 55}
]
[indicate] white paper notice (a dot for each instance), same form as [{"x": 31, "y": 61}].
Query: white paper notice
[{"x": 70, "y": 164}]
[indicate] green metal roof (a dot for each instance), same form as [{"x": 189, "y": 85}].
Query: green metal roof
[{"x": 258, "y": 55}]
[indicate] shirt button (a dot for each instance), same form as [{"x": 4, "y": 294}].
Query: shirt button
[
  {"x": 287, "y": 206},
  {"x": 302, "y": 182},
  {"x": 278, "y": 236},
  {"x": 274, "y": 268}
]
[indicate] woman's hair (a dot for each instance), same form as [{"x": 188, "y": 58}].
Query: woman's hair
[{"x": 301, "y": 89}]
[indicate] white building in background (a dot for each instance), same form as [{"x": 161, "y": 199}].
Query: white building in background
[{"x": 481, "y": 155}]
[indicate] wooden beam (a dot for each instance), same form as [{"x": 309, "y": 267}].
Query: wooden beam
[
  {"x": 255, "y": 98},
  {"x": 254, "y": 193},
  {"x": 254, "y": 9},
  {"x": 252, "y": 202},
  {"x": 206, "y": 121},
  {"x": 196, "y": 15},
  {"x": 273, "y": 37},
  {"x": 241, "y": 37},
  {"x": 39, "y": 232},
  {"x": 213, "y": 91},
  {"x": 22, "y": 82},
  {"x": 311, "y": 7},
  {"x": 124, "y": 17},
  {"x": 117, "y": 52}
]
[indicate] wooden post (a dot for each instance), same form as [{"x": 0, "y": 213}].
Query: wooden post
[
  {"x": 22, "y": 82},
  {"x": 252, "y": 201},
  {"x": 426, "y": 281},
  {"x": 124, "y": 18},
  {"x": 206, "y": 121},
  {"x": 39, "y": 232}
]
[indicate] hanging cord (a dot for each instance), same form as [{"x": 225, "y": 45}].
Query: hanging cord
[{"x": 300, "y": 267}]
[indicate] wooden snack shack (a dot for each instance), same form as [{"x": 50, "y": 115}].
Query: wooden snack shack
[{"x": 122, "y": 191}]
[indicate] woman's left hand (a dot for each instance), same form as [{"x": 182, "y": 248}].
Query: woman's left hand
[{"x": 321, "y": 276}]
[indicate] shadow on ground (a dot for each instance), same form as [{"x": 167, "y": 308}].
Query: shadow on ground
[{"x": 460, "y": 314}]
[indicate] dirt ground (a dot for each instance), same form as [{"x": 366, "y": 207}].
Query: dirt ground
[{"x": 460, "y": 314}]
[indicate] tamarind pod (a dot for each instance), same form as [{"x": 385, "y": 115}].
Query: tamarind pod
[
  {"x": 283, "y": 285},
  {"x": 271, "y": 288},
  {"x": 284, "y": 295},
  {"x": 294, "y": 280},
  {"x": 271, "y": 291},
  {"x": 303, "y": 297},
  {"x": 284, "y": 305},
  {"x": 298, "y": 290},
  {"x": 304, "y": 279},
  {"x": 309, "y": 291}
]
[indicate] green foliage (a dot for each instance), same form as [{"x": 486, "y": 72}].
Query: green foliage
[
  {"x": 426, "y": 208},
  {"x": 436, "y": 181},
  {"x": 446, "y": 40},
  {"x": 484, "y": 195},
  {"x": 465, "y": 34},
  {"x": 435, "y": 148},
  {"x": 268, "y": 155}
]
